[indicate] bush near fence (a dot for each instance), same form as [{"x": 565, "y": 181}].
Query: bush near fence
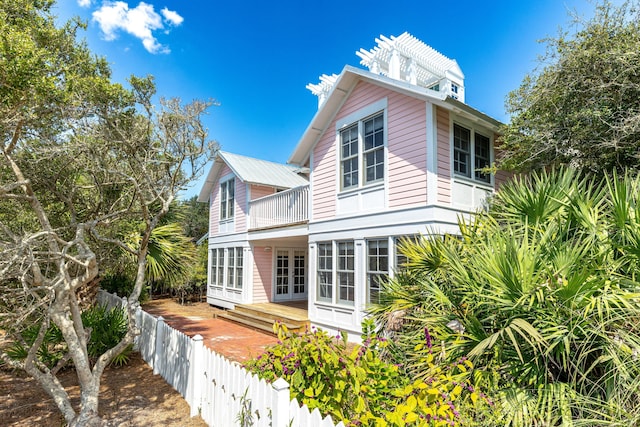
[{"x": 222, "y": 392}]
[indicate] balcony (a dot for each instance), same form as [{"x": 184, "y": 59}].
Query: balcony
[{"x": 281, "y": 209}]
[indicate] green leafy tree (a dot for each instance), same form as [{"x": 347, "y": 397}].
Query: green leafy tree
[
  {"x": 195, "y": 221},
  {"x": 82, "y": 161},
  {"x": 582, "y": 107},
  {"x": 541, "y": 293}
]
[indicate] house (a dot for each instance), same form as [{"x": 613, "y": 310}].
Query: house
[{"x": 393, "y": 151}]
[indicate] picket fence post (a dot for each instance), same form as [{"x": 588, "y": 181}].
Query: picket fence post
[
  {"x": 195, "y": 374},
  {"x": 159, "y": 348},
  {"x": 280, "y": 404}
]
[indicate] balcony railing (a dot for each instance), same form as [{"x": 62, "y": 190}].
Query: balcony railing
[{"x": 280, "y": 209}]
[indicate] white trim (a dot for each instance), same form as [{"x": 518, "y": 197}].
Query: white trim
[
  {"x": 310, "y": 200},
  {"x": 369, "y": 110},
  {"x": 432, "y": 153},
  {"x": 357, "y": 117},
  {"x": 473, "y": 129},
  {"x": 443, "y": 219},
  {"x": 291, "y": 254}
]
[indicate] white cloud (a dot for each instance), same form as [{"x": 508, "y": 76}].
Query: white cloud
[
  {"x": 84, "y": 3},
  {"x": 172, "y": 16},
  {"x": 140, "y": 22}
]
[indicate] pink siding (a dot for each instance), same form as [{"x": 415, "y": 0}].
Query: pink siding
[
  {"x": 258, "y": 191},
  {"x": 262, "y": 274},
  {"x": 444, "y": 156},
  {"x": 241, "y": 209},
  {"x": 406, "y": 122},
  {"x": 407, "y": 151},
  {"x": 240, "y": 204},
  {"x": 324, "y": 175},
  {"x": 214, "y": 208}
]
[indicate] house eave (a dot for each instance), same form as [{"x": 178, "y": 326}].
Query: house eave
[{"x": 347, "y": 79}]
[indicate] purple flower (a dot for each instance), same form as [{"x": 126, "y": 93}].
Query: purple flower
[{"x": 427, "y": 337}]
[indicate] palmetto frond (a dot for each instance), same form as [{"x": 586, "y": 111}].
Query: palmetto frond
[{"x": 544, "y": 285}]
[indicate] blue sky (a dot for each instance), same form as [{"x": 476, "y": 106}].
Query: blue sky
[{"x": 256, "y": 57}]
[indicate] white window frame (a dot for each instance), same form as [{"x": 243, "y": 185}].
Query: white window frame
[
  {"x": 472, "y": 173},
  {"x": 336, "y": 265},
  {"x": 237, "y": 270},
  {"x": 227, "y": 199},
  {"x": 376, "y": 273},
  {"x": 325, "y": 288},
  {"x": 358, "y": 120},
  {"x": 213, "y": 270},
  {"x": 346, "y": 271}
]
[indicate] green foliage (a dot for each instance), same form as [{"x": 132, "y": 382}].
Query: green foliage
[
  {"x": 541, "y": 293},
  {"x": 356, "y": 386},
  {"x": 107, "y": 327},
  {"x": 582, "y": 108}
]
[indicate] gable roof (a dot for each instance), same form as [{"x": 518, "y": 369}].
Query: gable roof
[
  {"x": 252, "y": 171},
  {"x": 344, "y": 84}
]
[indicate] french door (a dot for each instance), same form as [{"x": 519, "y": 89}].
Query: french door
[{"x": 290, "y": 274}]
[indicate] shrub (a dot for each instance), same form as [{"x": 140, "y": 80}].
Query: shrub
[
  {"x": 356, "y": 386},
  {"x": 108, "y": 327},
  {"x": 542, "y": 294}
]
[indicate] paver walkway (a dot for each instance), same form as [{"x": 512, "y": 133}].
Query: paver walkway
[{"x": 234, "y": 341}]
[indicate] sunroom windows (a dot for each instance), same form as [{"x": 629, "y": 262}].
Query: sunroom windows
[
  {"x": 352, "y": 272},
  {"x": 471, "y": 154},
  {"x": 362, "y": 156},
  {"x": 226, "y": 268}
]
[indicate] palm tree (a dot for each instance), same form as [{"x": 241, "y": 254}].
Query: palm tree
[{"x": 540, "y": 291}]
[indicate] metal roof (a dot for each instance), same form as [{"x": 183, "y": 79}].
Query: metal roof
[{"x": 253, "y": 171}]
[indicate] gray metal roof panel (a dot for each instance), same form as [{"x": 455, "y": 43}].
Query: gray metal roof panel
[{"x": 263, "y": 172}]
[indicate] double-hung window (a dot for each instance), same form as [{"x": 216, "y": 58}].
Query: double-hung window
[
  {"x": 349, "y": 149},
  {"x": 213, "y": 255},
  {"x": 471, "y": 153},
  {"x": 346, "y": 273},
  {"x": 227, "y": 195},
  {"x": 220, "y": 268},
  {"x": 235, "y": 268},
  {"x": 325, "y": 272},
  {"x": 377, "y": 267},
  {"x": 362, "y": 152},
  {"x": 340, "y": 270}
]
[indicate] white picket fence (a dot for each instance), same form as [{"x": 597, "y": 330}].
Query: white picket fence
[{"x": 222, "y": 392}]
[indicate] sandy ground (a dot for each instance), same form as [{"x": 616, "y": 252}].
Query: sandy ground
[{"x": 131, "y": 395}]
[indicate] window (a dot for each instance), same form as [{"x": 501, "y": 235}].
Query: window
[
  {"x": 227, "y": 190},
  {"x": 461, "y": 150},
  {"x": 234, "y": 268},
  {"x": 349, "y": 144},
  {"x": 362, "y": 143},
  {"x": 483, "y": 157},
  {"x": 374, "y": 149},
  {"x": 214, "y": 267},
  {"x": 346, "y": 273},
  {"x": 238, "y": 278},
  {"x": 220, "y": 268},
  {"x": 454, "y": 91},
  {"x": 325, "y": 272},
  {"x": 377, "y": 267},
  {"x": 230, "y": 268},
  {"x": 468, "y": 151}
]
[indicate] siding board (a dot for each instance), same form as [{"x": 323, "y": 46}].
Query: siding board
[
  {"x": 444, "y": 156},
  {"x": 262, "y": 274}
]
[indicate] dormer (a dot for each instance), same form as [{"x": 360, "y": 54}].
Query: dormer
[{"x": 407, "y": 59}]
